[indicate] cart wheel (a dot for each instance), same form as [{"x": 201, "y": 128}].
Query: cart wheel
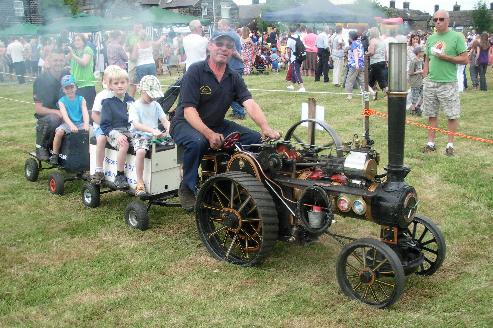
[
  {"x": 236, "y": 218},
  {"x": 91, "y": 196},
  {"x": 430, "y": 241},
  {"x": 55, "y": 181},
  {"x": 370, "y": 271},
  {"x": 31, "y": 169},
  {"x": 136, "y": 215}
]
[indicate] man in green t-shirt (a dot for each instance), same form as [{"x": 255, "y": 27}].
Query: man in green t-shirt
[{"x": 444, "y": 50}]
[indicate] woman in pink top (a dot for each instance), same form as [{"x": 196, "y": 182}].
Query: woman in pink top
[{"x": 310, "y": 64}]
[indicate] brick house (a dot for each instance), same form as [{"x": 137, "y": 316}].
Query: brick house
[{"x": 19, "y": 11}]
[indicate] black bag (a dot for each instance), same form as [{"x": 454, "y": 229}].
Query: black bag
[
  {"x": 170, "y": 96},
  {"x": 300, "y": 50}
]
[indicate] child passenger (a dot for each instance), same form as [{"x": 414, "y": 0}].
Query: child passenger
[
  {"x": 114, "y": 121},
  {"x": 74, "y": 112},
  {"x": 144, "y": 117},
  {"x": 106, "y": 93}
]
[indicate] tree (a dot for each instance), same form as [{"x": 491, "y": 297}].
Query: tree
[
  {"x": 57, "y": 7},
  {"x": 481, "y": 17}
]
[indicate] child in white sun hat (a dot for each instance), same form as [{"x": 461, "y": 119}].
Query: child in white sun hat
[{"x": 144, "y": 117}]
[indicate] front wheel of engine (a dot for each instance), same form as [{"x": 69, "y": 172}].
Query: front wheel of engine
[
  {"x": 431, "y": 243},
  {"x": 236, "y": 218},
  {"x": 370, "y": 271}
]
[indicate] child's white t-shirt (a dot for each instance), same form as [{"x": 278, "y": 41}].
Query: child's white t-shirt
[
  {"x": 96, "y": 107},
  {"x": 147, "y": 114}
]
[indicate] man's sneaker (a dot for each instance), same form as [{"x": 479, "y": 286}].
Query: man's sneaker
[
  {"x": 290, "y": 87},
  {"x": 140, "y": 189},
  {"x": 121, "y": 182},
  {"x": 301, "y": 90},
  {"x": 54, "y": 159},
  {"x": 97, "y": 178},
  {"x": 429, "y": 149},
  {"x": 187, "y": 198},
  {"x": 42, "y": 154},
  {"x": 449, "y": 151}
]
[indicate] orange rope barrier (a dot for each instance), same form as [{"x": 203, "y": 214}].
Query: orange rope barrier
[{"x": 372, "y": 112}]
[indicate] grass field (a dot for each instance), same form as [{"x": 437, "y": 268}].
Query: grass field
[{"x": 64, "y": 265}]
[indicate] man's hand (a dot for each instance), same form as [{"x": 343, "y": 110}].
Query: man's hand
[
  {"x": 270, "y": 134},
  {"x": 85, "y": 127},
  {"x": 215, "y": 140},
  {"x": 122, "y": 140}
]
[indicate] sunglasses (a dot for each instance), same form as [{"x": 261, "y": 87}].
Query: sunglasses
[
  {"x": 221, "y": 44},
  {"x": 441, "y": 19}
]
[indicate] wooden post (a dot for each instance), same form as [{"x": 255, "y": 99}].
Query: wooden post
[{"x": 312, "y": 105}]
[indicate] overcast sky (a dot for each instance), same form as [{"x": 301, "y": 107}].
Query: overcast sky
[{"x": 423, "y": 5}]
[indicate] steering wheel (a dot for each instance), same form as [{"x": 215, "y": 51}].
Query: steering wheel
[
  {"x": 230, "y": 140},
  {"x": 322, "y": 141}
]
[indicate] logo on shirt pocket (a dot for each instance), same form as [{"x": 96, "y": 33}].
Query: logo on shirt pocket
[{"x": 205, "y": 90}]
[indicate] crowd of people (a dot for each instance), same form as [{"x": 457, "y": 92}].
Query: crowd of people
[{"x": 212, "y": 82}]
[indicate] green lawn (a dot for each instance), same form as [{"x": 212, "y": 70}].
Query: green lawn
[{"x": 62, "y": 264}]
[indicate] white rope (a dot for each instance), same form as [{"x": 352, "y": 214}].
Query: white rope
[{"x": 19, "y": 101}]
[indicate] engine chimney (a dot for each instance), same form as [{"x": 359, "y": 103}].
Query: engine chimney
[
  {"x": 437, "y": 7},
  {"x": 491, "y": 5},
  {"x": 392, "y": 4},
  {"x": 397, "y": 111},
  {"x": 456, "y": 7},
  {"x": 405, "y": 5},
  {"x": 255, "y": 2}
]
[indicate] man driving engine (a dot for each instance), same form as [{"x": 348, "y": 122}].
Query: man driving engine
[{"x": 207, "y": 91}]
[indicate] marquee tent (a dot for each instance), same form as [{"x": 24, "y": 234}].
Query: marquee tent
[{"x": 20, "y": 29}]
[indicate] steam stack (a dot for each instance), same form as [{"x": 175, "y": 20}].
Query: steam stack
[{"x": 397, "y": 110}]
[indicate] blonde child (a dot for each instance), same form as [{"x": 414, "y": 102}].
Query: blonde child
[
  {"x": 144, "y": 117},
  {"x": 114, "y": 121},
  {"x": 106, "y": 93},
  {"x": 74, "y": 112}
]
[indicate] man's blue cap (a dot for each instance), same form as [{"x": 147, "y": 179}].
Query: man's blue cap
[{"x": 67, "y": 80}]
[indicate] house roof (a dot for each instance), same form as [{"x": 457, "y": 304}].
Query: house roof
[
  {"x": 170, "y": 4},
  {"x": 149, "y": 2}
]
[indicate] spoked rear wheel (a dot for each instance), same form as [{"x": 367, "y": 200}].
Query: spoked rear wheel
[
  {"x": 431, "y": 243},
  {"x": 236, "y": 218},
  {"x": 370, "y": 271}
]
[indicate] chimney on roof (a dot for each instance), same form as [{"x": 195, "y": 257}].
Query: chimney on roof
[
  {"x": 392, "y": 4},
  {"x": 255, "y": 2},
  {"x": 456, "y": 7},
  {"x": 437, "y": 7},
  {"x": 405, "y": 5}
]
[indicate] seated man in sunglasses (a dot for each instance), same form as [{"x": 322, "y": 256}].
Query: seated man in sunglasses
[{"x": 207, "y": 91}]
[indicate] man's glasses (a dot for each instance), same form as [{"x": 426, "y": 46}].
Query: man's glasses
[
  {"x": 221, "y": 44},
  {"x": 441, "y": 19}
]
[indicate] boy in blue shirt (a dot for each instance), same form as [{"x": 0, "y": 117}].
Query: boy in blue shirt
[
  {"x": 114, "y": 121},
  {"x": 74, "y": 112}
]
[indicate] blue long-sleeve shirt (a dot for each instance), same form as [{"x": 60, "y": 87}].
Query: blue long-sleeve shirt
[{"x": 114, "y": 114}]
